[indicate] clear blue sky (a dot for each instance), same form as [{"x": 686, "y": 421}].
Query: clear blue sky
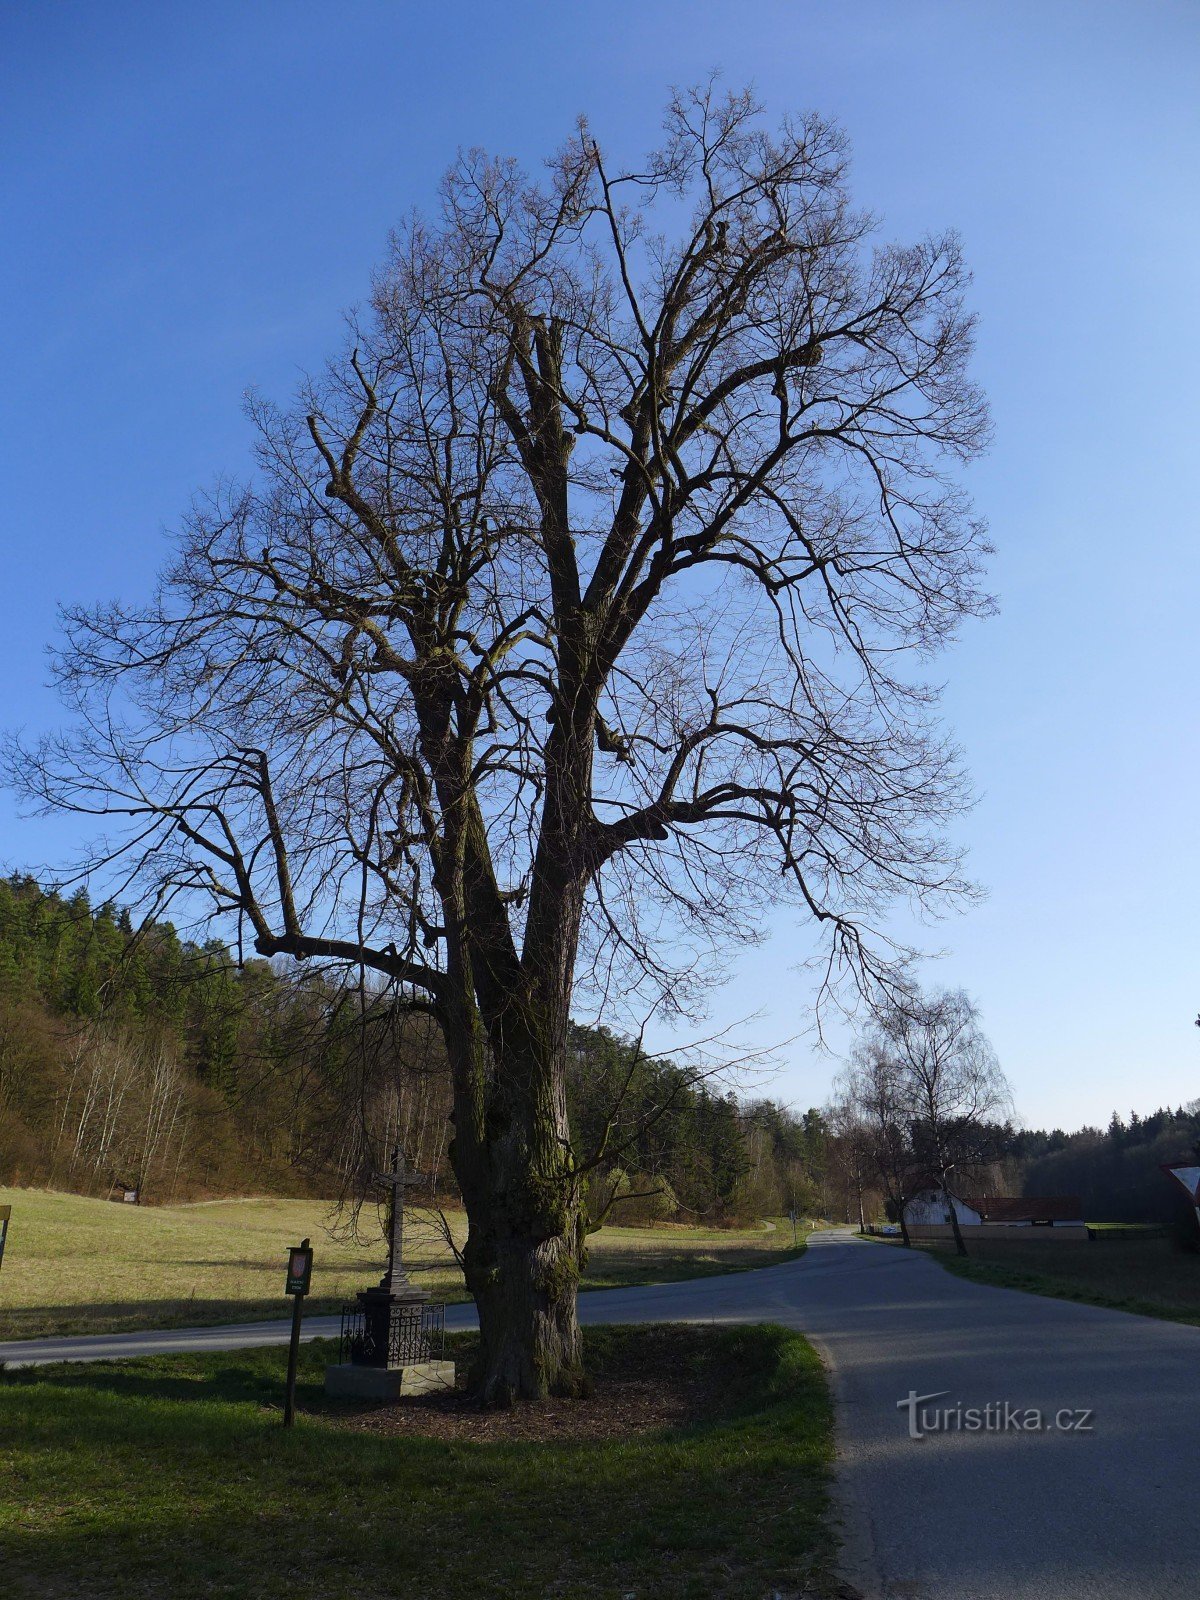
[{"x": 190, "y": 195}]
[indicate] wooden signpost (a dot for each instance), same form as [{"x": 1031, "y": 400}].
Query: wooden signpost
[
  {"x": 299, "y": 1277},
  {"x": 5, "y": 1218}
]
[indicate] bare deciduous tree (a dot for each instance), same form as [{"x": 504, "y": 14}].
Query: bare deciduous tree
[
  {"x": 932, "y": 1061},
  {"x": 120, "y": 1115},
  {"x": 853, "y": 1150},
  {"x": 874, "y": 1091},
  {"x": 565, "y": 626}
]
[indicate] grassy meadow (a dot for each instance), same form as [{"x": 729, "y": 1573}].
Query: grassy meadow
[
  {"x": 74, "y": 1265},
  {"x": 1148, "y": 1275},
  {"x": 173, "y": 1476}
]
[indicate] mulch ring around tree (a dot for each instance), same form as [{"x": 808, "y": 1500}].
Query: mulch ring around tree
[{"x": 642, "y": 1380}]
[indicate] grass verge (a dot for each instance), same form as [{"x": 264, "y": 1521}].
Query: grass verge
[
  {"x": 174, "y": 1476},
  {"x": 1148, "y": 1276},
  {"x": 75, "y": 1265}
]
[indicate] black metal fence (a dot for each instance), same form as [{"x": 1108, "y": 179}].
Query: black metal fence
[{"x": 392, "y": 1335}]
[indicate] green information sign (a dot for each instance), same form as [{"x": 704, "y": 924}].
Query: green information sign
[{"x": 5, "y": 1215}]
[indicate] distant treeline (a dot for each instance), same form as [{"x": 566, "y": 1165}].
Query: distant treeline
[
  {"x": 137, "y": 1058},
  {"x": 132, "y": 1057},
  {"x": 1116, "y": 1171}
]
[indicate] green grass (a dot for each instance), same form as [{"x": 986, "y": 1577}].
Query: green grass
[
  {"x": 1124, "y": 1227},
  {"x": 74, "y": 1265},
  {"x": 173, "y": 1476},
  {"x": 1146, "y": 1275}
]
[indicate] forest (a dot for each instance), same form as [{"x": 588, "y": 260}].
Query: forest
[
  {"x": 1117, "y": 1170},
  {"x": 131, "y": 1058}
]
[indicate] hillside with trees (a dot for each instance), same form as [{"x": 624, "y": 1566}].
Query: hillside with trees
[
  {"x": 1116, "y": 1171},
  {"x": 136, "y": 1058},
  {"x": 133, "y": 1057}
]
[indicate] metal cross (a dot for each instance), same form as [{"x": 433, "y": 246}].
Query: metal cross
[{"x": 395, "y": 1280}]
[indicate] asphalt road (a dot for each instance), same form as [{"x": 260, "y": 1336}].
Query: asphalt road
[{"x": 1110, "y": 1511}]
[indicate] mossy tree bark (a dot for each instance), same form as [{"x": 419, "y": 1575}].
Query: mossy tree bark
[
  {"x": 523, "y": 1258},
  {"x": 506, "y": 1017}
]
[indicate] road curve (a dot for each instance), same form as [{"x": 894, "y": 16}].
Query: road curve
[{"x": 1107, "y": 1513}]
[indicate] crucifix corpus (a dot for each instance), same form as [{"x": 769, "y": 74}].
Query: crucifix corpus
[
  {"x": 395, "y": 1282},
  {"x": 393, "y": 1338}
]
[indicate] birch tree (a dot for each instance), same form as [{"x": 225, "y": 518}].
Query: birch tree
[
  {"x": 934, "y": 1058},
  {"x": 874, "y": 1091}
]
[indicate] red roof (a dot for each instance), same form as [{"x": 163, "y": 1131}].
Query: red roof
[
  {"x": 1006, "y": 1208},
  {"x": 1033, "y": 1208}
]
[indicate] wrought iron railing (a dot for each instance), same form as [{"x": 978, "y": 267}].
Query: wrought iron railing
[{"x": 393, "y": 1334}]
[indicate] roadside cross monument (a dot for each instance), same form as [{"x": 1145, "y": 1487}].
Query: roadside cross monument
[
  {"x": 395, "y": 1282},
  {"x": 393, "y": 1338}
]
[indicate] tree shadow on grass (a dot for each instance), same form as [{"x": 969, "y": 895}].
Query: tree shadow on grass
[
  {"x": 737, "y": 1357},
  {"x": 141, "y": 1316},
  {"x": 254, "y": 1376},
  {"x": 257, "y": 1375},
  {"x": 113, "y": 1493}
]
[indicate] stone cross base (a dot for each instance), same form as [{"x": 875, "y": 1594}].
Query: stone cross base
[{"x": 350, "y": 1382}]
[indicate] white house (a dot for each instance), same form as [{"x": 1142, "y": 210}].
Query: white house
[{"x": 926, "y": 1207}]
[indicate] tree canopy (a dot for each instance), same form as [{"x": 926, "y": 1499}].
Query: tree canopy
[{"x": 577, "y": 611}]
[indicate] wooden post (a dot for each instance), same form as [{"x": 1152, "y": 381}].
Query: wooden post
[
  {"x": 298, "y": 1279},
  {"x": 289, "y": 1405}
]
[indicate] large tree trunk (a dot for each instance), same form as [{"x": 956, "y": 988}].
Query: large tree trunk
[
  {"x": 506, "y": 1030},
  {"x": 525, "y": 1289},
  {"x": 512, "y": 1157},
  {"x": 522, "y": 1259}
]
